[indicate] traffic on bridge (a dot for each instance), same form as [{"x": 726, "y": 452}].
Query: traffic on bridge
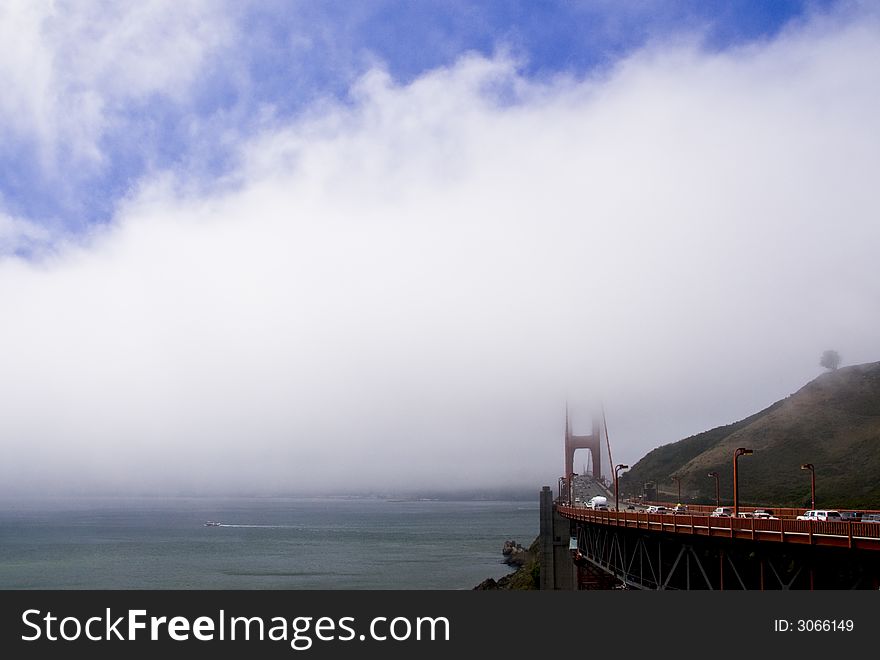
[{"x": 590, "y": 541}]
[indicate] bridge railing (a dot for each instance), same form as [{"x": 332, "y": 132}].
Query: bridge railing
[
  {"x": 780, "y": 512},
  {"x": 835, "y": 533}
]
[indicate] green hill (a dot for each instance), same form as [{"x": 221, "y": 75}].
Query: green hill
[{"x": 832, "y": 422}]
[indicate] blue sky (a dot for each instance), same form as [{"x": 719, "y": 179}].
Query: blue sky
[
  {"x": 287, "y": 55},
  {"x": 311, "y": 246}
]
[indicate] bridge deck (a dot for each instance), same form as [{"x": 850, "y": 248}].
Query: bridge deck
[{"x": 855, "y": 535}]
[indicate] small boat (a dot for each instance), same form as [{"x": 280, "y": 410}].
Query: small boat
[{"x": 212, "y": 523}]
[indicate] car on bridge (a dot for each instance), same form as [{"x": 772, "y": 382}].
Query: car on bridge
[
  {"x": 821, "y": 515},
  {"x": 656, "y": 509},
  {"x": 722, "y": 512},
  {"x": 870, "y": 518}
]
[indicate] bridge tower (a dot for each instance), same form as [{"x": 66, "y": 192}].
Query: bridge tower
[{"x": 591, "y": 442}]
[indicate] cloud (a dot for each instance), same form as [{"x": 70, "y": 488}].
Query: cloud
[
  {"x": 20, "y": 236},
  {"x": 404, "y": 290},
  {"x": 70, "y": 71}
]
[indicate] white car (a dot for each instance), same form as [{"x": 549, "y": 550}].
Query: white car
[
  {"x": 821, "y": 515},
  {"x": 656, "y": 509},
  {"x": 722, "y": 512}
]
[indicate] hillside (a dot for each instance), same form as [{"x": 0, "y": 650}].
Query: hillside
[{"x": 832, "y": 422}]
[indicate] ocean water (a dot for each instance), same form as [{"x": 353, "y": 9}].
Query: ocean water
[{"x": 262, "y": 543}]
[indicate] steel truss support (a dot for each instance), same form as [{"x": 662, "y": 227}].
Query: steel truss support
[{"x": 641, "y": 559}]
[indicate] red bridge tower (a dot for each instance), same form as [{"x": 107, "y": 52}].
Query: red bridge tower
[{"x": 591, "y": 442}]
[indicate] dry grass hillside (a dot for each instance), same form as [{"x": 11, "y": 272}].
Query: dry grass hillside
[{"x": 832, "y": 422}]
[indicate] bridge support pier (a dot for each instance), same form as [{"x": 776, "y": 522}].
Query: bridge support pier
[{"x": 557, "y": 568}]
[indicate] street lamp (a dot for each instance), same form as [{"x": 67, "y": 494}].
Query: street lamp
[
  {"x": 740, "y": 451},
  {"x": 617, "y": 468},
  {"x": 678, "y": 480},
  {"x": 717, "y": 489},
  {"x": 809, "y": 466}
]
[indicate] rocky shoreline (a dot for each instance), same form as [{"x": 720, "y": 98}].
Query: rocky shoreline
[{"x": 527, "y": 564}]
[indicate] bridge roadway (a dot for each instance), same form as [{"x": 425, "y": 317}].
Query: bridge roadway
[
  {"x": 584, "y": 548},
  {"x": 852, "y": 535}
]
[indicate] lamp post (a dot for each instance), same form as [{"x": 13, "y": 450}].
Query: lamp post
[
  {"x": 740, "y": 451},
  {"x": 809, "y": 466},
  {"x": 617, "y": 468},
  {"x": 678, "y": 481},
  {"x": 717, "y": 489}
]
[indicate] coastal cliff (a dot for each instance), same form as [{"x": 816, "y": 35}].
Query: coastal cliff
[{"x": 528, "y": 565}]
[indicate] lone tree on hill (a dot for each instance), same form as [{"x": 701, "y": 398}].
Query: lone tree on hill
[{"x": 830, "y": 360}]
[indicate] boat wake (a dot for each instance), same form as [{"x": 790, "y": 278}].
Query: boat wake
[
  {"x": 261, "y": 526},
  {"x": 212, "y": 523}
]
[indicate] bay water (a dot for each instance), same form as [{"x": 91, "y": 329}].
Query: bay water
[{"x": 260, "y": 543}]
